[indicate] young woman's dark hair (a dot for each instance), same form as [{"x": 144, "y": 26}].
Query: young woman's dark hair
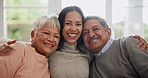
[{"x": 61, "y": 18}]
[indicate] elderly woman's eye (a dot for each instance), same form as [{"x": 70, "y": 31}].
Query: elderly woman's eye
[
  {"x": 46, "y": 33},
  {"x": 57, "y": 36}
]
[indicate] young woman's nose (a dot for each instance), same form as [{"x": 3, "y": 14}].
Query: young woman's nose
[{"x": 73, "y": 28}]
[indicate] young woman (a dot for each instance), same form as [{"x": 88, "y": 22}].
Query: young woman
[{"x": 69, "y": 61}]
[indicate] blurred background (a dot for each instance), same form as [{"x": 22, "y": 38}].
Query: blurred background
[{"x": 125, "y": 17}]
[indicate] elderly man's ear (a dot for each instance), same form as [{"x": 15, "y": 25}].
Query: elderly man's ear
[{"x": 109, "y": 31}]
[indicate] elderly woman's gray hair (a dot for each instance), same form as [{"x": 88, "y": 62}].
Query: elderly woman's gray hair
[{"x": 39, "y": 22}]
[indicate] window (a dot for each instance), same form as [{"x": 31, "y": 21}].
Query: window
[
  {"x": 21, "y": 15},
  {"x": 118, "y": 17},
  {"x": 89, "y": 7},
  {"x": 131, "y": 16},
  {"x": 145, "y": 18}
]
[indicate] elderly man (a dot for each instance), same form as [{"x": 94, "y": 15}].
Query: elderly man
[
  {"x": 113, "y": 58},
  {"x": 31, "y": 60}
]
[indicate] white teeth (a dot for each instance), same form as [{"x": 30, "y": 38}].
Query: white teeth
[
  {"x": 92, "y": 41},
  {"x": 48, "y": 45},
  {"x": 72, "y": 34}
]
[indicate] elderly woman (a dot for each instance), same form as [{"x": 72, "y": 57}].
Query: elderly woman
[{"x": 31, "y": 60}]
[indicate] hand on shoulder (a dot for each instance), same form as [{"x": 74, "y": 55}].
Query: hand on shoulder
[
  {"x": 141, "y": 43},
  {"x": 6, "y": 49}
]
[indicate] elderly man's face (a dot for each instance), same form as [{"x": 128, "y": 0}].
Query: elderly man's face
[
  {"x": 46, "y": 40},
  {"x": 95, "y": 35}
]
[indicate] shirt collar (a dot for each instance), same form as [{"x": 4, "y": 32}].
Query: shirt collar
[{"x": 107, "y": 45}]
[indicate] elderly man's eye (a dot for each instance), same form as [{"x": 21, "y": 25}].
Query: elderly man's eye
[
  {"x": 85, "y": 33},
  {"x": 96, "y": 29}
]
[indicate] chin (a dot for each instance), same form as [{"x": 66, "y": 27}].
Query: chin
[
  {"x": 72, "y": 41},
  {"x": 91, "y": 48}
]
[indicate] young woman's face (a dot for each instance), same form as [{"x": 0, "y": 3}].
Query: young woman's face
[{"x": 72, "y": 27}]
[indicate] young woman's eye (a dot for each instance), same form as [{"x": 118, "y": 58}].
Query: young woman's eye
[
  {"x": 79, "y": 24},
  {"x": 68, "y": 24}
]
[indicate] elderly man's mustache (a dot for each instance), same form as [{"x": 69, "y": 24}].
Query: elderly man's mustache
[{"x": 91, "y": 39}]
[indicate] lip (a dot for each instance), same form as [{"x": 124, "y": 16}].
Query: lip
[
  {"x": 49, "y": 45},
  {"x": 72, "y": 35},
  {"x": 92, "y": 41}
]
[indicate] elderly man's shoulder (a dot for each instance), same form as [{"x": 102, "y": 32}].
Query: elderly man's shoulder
[{"x": 130, "y": 40}]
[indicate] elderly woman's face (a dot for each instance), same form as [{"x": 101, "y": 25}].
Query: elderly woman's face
[{"x": 46, "y": 40}]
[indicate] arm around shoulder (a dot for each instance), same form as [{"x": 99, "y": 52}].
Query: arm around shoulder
[
  {"x": 138, "y": 59},
  {"x": 9, "y": 64}
]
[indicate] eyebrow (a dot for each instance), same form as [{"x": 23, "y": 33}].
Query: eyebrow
[
  {"x": 71, "y": 21},
  {"x": 95, "y": 26},
  {"x": 92, "y": 27},
  {"x": 57, "y": 33},
  {"x": 50, "y": 31},
  {"x": 78, "y": 21},
  {"x": 68, "y": 20}
]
